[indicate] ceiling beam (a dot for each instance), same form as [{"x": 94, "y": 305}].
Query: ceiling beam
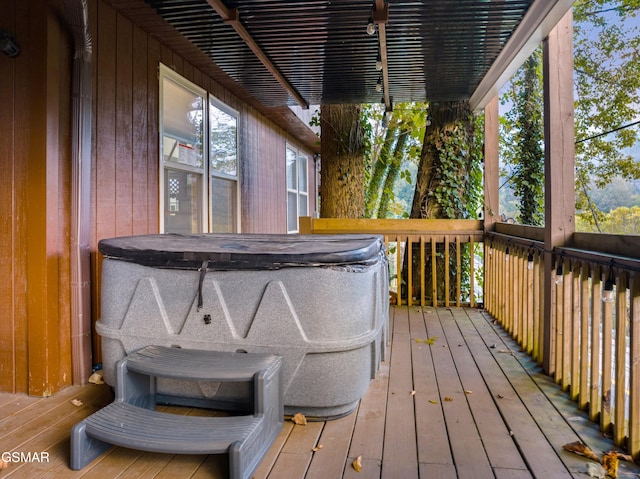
[
  {"x": 380, "y": 18},
  {"x": 539, "y": 20},
  {"x": 232, "y": 18}
]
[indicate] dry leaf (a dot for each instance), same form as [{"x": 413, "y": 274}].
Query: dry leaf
[
  {"x": 419, "y": 340},
  {"x": 624, "y": 457},
  {"x": 596, "y": 470},
  {"x": 433, "y": 401},
  {"x": 3, "y": 464},
  {"x": 77, "y": 402},
  {"x": 468, "y": 392},
  {"x": 447, "y": 398},
  {"x": 299, "y": 419},
  {"x": 431, "y": 340},
  {"x": 413, "y": 393},
  {"x": 357, "y": 464},
  {"x": 578, "y": 447},
  {"x": 317, "y": 448},
  {"x": 610, "y": 464},
  {"x": 500, "y": 396},
  {"x": 96, "y": 378}
]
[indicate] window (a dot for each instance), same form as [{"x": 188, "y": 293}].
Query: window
[
  {"x": 297, "y": 188},
  {"x": 199, "y": 184}
]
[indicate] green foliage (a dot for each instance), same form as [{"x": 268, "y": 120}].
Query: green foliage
[
  {"x": 621, "y": 220},
  {"x": 607, "y": 89},
  {"x": 390, "y": 144},
  {"x": 607, "y": 82},
  {"x": 522, "y": 139}
]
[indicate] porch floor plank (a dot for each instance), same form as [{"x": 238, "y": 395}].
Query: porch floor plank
[{"x": 504, "y": 419}]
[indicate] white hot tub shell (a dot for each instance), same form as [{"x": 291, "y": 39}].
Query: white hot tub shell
[{"x": 319, "y": 301}]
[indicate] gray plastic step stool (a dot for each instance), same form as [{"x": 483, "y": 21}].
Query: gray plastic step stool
[{"x": 132, "y": 421}]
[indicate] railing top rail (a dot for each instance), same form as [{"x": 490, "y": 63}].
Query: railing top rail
[{"x": 390, "y": 226}]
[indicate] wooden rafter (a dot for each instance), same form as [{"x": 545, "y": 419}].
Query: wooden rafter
[
  {"x": 232, "y": 17},
  {"x": 380, "y": 18}
]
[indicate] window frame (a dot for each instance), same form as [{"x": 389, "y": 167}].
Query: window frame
[
  {"x": 300, "y": 155},
  {"x": 206, "y": 171}
]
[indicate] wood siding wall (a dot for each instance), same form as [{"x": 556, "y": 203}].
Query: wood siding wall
[
  {"x": 35, "y": 347},
  {"x": 35, "y": 156}
]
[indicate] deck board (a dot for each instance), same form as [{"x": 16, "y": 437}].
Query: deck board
[{"x": 506, "y": 420}]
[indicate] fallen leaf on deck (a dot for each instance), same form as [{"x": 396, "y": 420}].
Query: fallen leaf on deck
[
  {"x": 77, "y": 402},
  {"x": 468, "y": 392},
  {"x": 357, "y": 464},
  {"x": 96, "y": 378},
  {"x": 596, "y": 470},
  {"x": 299, "y": 419},
  {"x": 447, "y": 398},
  {"x": 623, "y": 456},
  {"x": 506, "y": 351},
  {"x": 433, "y": 401},
  {"x": 419, "y": 340},
  {"x": 431, "y": 340},
  {"x": 317, "y": 448},
  {"x": 610, "y": 464},
  {"x": 578, "y": 447},
  {"x": 500, "y": 396},
  {"x": 3, "y": 464}
]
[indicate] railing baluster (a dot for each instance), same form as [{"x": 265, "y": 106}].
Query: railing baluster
[
  {"x": 633, "y": 444},
  {"x": 595, "y": 394},
  {"x": 423, "y": 293},
  {"x": 409, "y": 252},
  {"x": 576, "y": 336},
  {"x": 447, "y": 279},
  {"x": 621, "y": 357},
  {"x": 605, "y": 405},
  {"x": 472, "y": 272},
  {"x": 434, "y": 273},
  {"x": 583, "y": 393}
]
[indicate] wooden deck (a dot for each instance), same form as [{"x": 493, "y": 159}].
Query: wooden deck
[{"x": 469, "y": 405}]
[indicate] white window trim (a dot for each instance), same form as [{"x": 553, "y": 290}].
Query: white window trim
[{"x": 299, "y": 154}]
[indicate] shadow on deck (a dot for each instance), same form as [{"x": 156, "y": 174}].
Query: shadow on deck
[{"x": 456, "y": 399}]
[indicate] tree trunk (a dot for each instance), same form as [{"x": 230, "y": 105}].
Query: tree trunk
[
  {"x": 444, "y": 162},
  {"x": 379, "y": 169},
  {"x": 393, "y": 171},
  {"x": 442, "y": 183},
  {"x": 343, "y": 165}
]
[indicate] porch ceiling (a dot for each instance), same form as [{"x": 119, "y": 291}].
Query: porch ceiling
[{"x": 284, "y": 52}]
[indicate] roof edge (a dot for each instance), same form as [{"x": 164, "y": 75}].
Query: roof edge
[{"x": 540, "y": 19}]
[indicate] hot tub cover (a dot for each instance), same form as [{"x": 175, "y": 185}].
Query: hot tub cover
[{"x": 245, "y": 251}]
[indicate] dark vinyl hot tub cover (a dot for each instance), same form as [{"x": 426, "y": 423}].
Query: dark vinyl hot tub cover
[{"x": 228, "y": 252}]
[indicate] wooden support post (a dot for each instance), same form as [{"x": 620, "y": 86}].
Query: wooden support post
[
  {"x": 559, "y": 160},
  {"x": 491, "y": 168}
]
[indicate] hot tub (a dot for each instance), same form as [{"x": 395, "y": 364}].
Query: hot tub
[{"x": 319, "y": 301}]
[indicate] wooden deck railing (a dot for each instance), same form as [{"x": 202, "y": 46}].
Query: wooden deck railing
[
  {"x": 595, "y": 321},
  {"x": 594, "y": 329},
  {"x": 432, "y": 247}
]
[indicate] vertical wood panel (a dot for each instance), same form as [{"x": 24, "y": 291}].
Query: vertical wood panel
[
  {"x": 124, "y": 127},
  {"x": 140, "y": 141}
]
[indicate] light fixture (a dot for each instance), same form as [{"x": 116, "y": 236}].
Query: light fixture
[
  {"x": 379, "y": 84},
  {"x": 607, "y": 294},
  {"x": 559, "y": 274},
  {"x": 530, "y": 261},
  {"x": 8, "y": 44},
  {"x": 371, "y": 27},
  {"x": 379, "y": 62},
  {"x": 506, "y": 254}
]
